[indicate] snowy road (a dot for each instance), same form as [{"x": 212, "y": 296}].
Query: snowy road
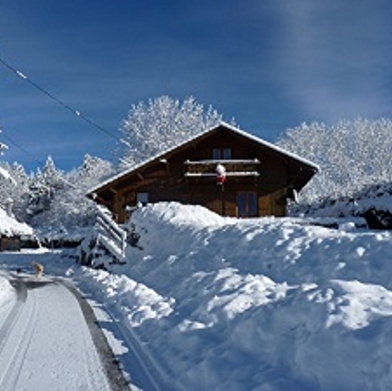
[{"x": 46, "y": 343}]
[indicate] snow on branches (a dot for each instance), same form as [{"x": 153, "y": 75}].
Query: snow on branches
[
  {"x": 159, "y": 124},
  {"x": 351, "y": 154}
]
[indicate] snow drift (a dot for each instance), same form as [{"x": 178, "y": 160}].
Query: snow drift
[{"x": 261, "y": 304}]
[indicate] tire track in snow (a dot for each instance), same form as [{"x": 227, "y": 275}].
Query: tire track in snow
[
  {"x": 25, "y": 322},
  {"x": 109, "y": 361},
  {"x": 11, "y": 318},
  {"x": 21, "y": 335}
]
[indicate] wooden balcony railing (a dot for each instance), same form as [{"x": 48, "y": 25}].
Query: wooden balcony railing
[{"x": 237, "y": 168}]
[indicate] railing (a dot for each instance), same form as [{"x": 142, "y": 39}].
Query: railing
[
  {"x": 110, "y": 235},
  {"x": 233, "y": 168}
]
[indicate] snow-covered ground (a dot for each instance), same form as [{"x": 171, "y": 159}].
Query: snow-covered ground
[
  {"x": 265, "y": 304},
  {"x": 45, "y": 341}
]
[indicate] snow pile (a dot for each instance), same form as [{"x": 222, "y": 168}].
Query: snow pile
[
  {"x": 263, "y": 304},
  {"x": 138, "y": 302},
  {"x": 7, "y": 298},
  {"x": 6, "y": 290},
  {"x": 10, "y": 226},
  {"x": 356, "y": 305}
]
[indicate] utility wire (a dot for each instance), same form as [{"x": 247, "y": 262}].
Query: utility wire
[
  {"x": 40, "y": 163},
  {"x": 25, "y": 151},
  {"x": 59, "y": 101}
]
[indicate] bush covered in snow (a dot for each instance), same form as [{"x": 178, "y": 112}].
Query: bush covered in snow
[{"x": 373, "y": 203}]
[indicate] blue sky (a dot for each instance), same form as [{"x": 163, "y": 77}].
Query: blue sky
[{"x": 270, "y": 64}]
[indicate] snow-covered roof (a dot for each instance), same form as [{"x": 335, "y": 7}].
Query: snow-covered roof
[
  {"x": 195, "y": 137},
  {"x": 10, "y": 226}
]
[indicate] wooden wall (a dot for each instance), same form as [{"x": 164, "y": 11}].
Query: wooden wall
[
  {"x": 165, "y": 181},
  {"x": 9, "y": 244}
]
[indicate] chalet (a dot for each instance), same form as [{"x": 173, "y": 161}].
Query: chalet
[
  {"x": 12, "y": 232},
  {"x": 224, "y": 169}
]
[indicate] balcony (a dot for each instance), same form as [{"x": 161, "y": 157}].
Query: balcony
[{"x": 234, "y": 168}]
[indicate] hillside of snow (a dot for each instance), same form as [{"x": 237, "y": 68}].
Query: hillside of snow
[{"x": 261, "y": 304}]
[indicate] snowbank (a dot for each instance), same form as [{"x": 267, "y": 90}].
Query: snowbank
[
  {"x": 6, "y": 290},
  {"x": 262, "y": 304},
  {"x": 7, "y": 297}
]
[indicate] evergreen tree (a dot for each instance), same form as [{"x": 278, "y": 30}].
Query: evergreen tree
[
  {"x": 69, "y": 210},
  {"x": 92, "y": 171},
  {"x": 53, "y": 178}
]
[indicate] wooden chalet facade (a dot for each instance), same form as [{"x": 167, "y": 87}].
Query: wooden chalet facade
[{"x": 258, "y": 176}]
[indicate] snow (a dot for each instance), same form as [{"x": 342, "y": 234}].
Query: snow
[
  {"x": 5, "y": 174},
  {"x": 9, "y": 226},
  {"x": 7, "y": 294},
  {"x": 217, "y": 303},
  {"x": 47, "y": 347}
]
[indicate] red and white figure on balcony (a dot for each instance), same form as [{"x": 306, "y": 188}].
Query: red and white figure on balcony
[{"x": 220, "y": 174}]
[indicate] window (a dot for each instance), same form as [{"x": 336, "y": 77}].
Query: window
[
  {"x": 142, "y": 198},
  {"x": 247, "y": 204},
  {"x": 216, "y": 153},
  {"x": 227, "y": 153},
  {"x": 221, "y": 153}
]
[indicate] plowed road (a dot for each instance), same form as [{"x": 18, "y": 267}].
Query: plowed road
[{"x": 48, "y": 342}]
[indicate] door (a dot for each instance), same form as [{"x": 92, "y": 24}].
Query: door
[{"x": 247, "y": 204}]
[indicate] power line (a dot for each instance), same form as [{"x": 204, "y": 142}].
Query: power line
[
  {"x": 25, "y": 151},
  {"x": 57, "y": 100},
  {"x": 40, "y": 163}
]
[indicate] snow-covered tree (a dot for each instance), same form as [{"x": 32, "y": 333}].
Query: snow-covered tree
[
  {"x": 43, "y": 188},
  {"x": 16, "y": 188},
  {"x": 3, "y": 147},
  {"x": 52, "y": 177},
  {"x": 4, "y": 174},
  {"x": 92, "y": 171},
  {"x": 39, "y": 195},
  {"x": 351, "y": 154},
  {"x": 8, "y": 185},
  {"x": 69, "y": 211},
  {"x": 162, "y": 123}
]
